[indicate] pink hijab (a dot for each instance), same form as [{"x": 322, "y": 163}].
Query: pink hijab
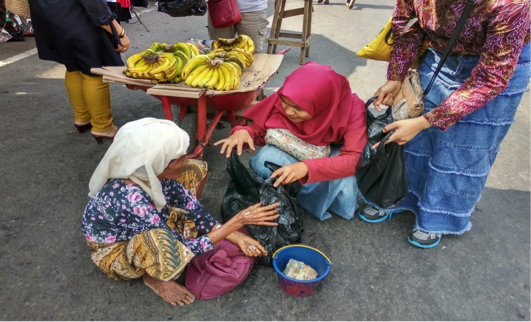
[{"x": 323, "y": 93}]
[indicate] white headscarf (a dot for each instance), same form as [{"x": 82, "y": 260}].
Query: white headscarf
[{"x": 141, "y": 150}]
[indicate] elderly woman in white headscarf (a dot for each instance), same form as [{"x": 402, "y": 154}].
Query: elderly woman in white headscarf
[{"x": 142, "y": 223}]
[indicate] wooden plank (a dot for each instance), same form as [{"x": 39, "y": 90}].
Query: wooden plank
[
  {"x": 290, "y": 35},
  {"x": 174, "y": 93},
  {"x": 293, "y": 12}
]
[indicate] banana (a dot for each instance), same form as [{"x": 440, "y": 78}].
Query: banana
[
  {"x": 227, "y": 75},
  {"x": 175, "y": 75},
  {"x": 214, "y": 79},
  {"x": 247, "y": 42},
  {"x": 247, "y": 55},
  {"x": 156, "y": 46},
  {"x": 245, "y": 62},
  {"x": 193, "y": 49},
  {"x": 194, "y": 74},
  {"x": 221, "y": 79},
  {"x": 203, "y": 80},
  {"x": 141, "y": 66},
  {"x": 193, "y": 64},
  {"x": 238, "y": 62},
  {"x": 239, "y": 69},
  {"x": 235, "y": 78},
  {"x": 132, "y": 60},
  {"x": 165, "y": 64},
  {"x": 180, "y": 64},
  {"x": 181, "y": 46},
  {"x": 168, "y": 73}
]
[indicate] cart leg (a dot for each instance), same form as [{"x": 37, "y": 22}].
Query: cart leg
[
  {"x": 212, "y": 126},
  {"x": 167, "y": 108},
  {"x": 182, "y": 113},
  {"x": 232, "y": 118},
  {"x": 201, "y": 118}
]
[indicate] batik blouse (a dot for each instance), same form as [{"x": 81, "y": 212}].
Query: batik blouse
[
  {"x": 496, "y": 30},
  {"x": 121, "y": 210}
]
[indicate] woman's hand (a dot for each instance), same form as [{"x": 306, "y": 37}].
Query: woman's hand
[
  {"x": 257, "y": 215},
  {"x": 290, "y": 173},
  {"x": 125, "y": 44},
  {"x": 386, "y": 93},
  {"x": 405, "y": 130},
  {"x": 250, "y": 246},
  {"x": 238, "y": 139}
]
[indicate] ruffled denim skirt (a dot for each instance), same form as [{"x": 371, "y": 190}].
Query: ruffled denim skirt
[{"x": 447, "y": 171}]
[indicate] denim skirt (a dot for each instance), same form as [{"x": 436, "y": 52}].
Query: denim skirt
[{"x": 447, "y": 171}]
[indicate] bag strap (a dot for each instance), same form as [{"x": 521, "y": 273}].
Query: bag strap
[{"x": 460, "y": 24}]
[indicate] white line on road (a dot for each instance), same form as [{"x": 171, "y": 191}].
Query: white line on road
[{"x": 18, "y": 57}]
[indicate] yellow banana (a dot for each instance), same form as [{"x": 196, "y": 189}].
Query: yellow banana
[
  {"x": 228, "y": 76},
  {"x": 248, "y": 56},
  {"x": 238, "y": 67},
  {"x": 132, "y": 60},
  {"x": 165, "y": 64},
  {"x": 193, "y": 64},
  {"x": 245, "y": 62},
  {"x": 201, "y": 76},
  {"x": 194, "y": 74},
  {"x": 235, "y": 76},
  {"x": 206, "y": 77},
  {"x": 165, "y": 74},
  {"x": 141, "y": 66},
  {"x": 220, "y": 84},
  {"x": 156, "y": 47},
  {"x": 193, "y": 49},
  {"x": 181, "y": 46},
  {"x": 247, "y": 42},
  {"x": 180, "y": 64},
  {"x": 175, "y": 75},
  {"x": 214, "y": 79}
]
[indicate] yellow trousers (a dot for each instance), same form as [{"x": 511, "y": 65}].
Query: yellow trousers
[{"x": 91, "y": 100}]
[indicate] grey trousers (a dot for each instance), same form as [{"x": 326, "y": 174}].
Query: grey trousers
[{"x": 254, "y": 24}]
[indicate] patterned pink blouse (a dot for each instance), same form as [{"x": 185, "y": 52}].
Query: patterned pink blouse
[{"x": 496, "y": 29}]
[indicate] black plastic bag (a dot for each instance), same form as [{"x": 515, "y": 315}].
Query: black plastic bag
[
  {"x": 375, "y": 126},
  {"x": 183, "y": 8},
  {"x": 383, "y": 180},
  {"x": 245, "y": 190}
]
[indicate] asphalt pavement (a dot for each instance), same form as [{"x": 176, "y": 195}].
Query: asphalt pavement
[{"x": 45, "y": 166}]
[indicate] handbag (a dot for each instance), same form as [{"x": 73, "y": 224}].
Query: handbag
[
  {"x": 18, "y": 7},
  {"x": 381, "y": 46},
  {"x": 224, "y": 13},
  {"x": 218, "y": 271},
  {"x": 409, "y": 102},
  {"x": 291, "y": 144}
]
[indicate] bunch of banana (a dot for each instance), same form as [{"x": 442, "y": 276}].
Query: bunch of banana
[
  {"x": 246, "y": 59},
  {"x": 161, "y": 67},
  {"x": 242, "y": 41},
  {"x": 202, "y": 71},
  {"x": 190, "y": 50}
]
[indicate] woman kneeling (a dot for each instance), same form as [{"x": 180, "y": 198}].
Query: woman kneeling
[{"x": 314, "y": 127}]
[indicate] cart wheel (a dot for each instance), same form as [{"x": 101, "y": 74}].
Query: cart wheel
[{"x": 189, "y": 125}]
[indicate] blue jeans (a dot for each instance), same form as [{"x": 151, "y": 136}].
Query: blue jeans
[
  {"x": 319, "y": 198},
  {"x": 446, "y": 171}
]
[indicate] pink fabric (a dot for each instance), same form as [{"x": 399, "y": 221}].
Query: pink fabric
[
  {"x": 218, "y": 271},
  {"x": 324, "y": 94}
]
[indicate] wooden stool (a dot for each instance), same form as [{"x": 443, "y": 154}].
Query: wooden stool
[{"x": 305, "y": 37}]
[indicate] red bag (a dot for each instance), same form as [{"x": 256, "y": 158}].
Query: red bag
[
  {"x": 224, "y": 13},
  {"x": 218, "y": 271}
]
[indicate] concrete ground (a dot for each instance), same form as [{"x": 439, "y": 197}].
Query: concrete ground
[{"x": 46, "y": 272}]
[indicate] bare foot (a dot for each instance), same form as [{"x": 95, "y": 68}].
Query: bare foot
[{"x": 170, "y": 291}]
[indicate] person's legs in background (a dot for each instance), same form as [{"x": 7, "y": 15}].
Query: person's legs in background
[
  {"x": 91, "y": 101},
  {"x": 254, "y": 24},
  {"x": 215, "y": 33}
]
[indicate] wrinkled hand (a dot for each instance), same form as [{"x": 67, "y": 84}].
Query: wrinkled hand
[
  {"x": 386, "y": 93},
  {"x": 290, "y": 173},
  {"x": 250, "y": 246},
  {"x": 257, "y": 215},
  {"x": 405, "y": 130},
  {"x": 238, "y": 139}
]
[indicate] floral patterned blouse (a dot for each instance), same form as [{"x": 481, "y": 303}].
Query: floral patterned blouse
[
  {"x": 496, "y": 29},
  {"x": 121, "y": 210}
]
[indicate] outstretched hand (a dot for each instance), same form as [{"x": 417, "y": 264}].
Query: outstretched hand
[
  {"x": 237, "y": 139},
  {"x": 290, "y": 173},
  {"x": 250, "y": 246},
  {"x": 257, "y": 215}
]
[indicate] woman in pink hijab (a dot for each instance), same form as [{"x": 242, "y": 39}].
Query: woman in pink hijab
[{"x": 318, "y": 108}]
